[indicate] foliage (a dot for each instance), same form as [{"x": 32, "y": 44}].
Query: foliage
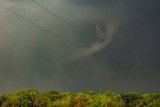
[
  {"x": 131, "y": 99},
  {"x": 32, "y": 98}
]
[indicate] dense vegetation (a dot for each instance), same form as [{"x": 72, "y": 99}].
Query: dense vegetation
[{"x": 32, "y": 98}]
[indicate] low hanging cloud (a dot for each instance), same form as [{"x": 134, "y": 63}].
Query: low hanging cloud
[
  {"x": 106, "y": 24},
  {"x": 103, "y": 39}
]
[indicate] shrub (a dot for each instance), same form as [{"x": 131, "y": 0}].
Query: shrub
[
  {"x": 131, "y": 99},
  {"x": 32, "y": 98}
]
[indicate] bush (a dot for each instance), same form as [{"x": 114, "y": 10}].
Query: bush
[
  {"x": 132, "y": 99},
  {"x": 32, "y": 98}
]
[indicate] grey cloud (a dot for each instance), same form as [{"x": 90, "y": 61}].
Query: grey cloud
[{"x": 31, "y": 57}]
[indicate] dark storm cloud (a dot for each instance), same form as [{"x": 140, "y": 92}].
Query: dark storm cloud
[
  {"x": 92, "y": 2},
  {"x": 121, "y": 55}
]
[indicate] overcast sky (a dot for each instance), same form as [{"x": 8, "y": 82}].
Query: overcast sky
[{"x": 116, "y": 48}]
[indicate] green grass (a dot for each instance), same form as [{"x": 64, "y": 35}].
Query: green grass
[{"x": 32, "y": 98}]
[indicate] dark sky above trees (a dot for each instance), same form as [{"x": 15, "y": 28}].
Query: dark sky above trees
[{"x": 120, "y": 51}]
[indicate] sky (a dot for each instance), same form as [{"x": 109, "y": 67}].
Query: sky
[{"x": 116, "y": 46}]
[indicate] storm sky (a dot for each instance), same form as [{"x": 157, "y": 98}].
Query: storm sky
[{"x": 116, "y": 48}]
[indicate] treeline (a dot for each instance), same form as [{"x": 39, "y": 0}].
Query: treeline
[{"x": 32, "y": 98}]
